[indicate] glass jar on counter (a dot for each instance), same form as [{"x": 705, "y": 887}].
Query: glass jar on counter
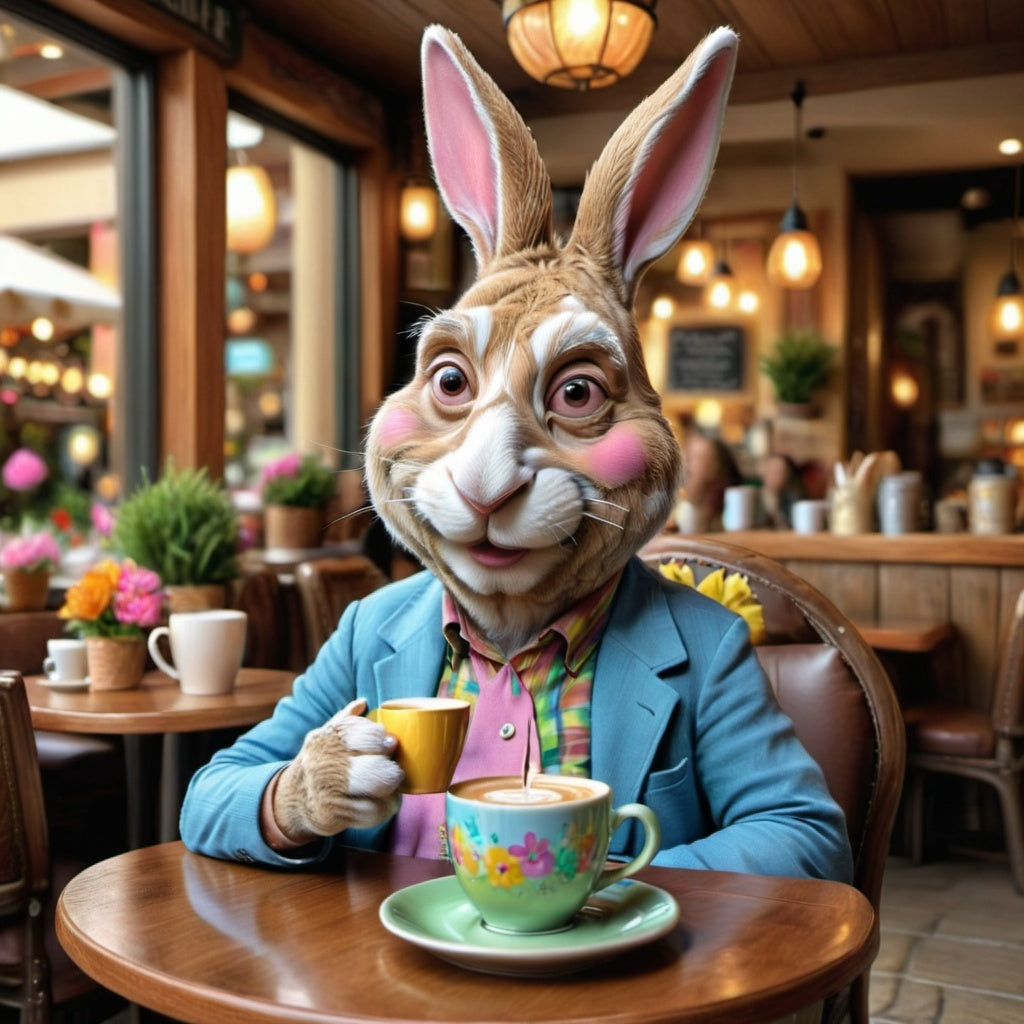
[{"x": 991, "y": 498}]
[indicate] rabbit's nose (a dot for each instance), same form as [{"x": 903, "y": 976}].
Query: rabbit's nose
[{"x": 485, "y": 509}]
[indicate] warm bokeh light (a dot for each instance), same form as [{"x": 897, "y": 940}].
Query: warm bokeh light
[
  {"x": 662, "y": 308},
  {"x": 904, "y": 389},
  {"x": 1010, "y": 147},
  {"x": 51, "y": 51},
  {"x": 718, "y": 293},
  {"x": 695, "y": 262},
  {"x": 748, "y": 301},
  {"x": 17, "y": 367},
  {"x": 270, "y": 405},
  {"x": 72, "y": 380},
  {"x": 418, "y": 213},
  {"x": 42, "y": 328},
  {"x": 252, "y": 209},
  {"x": 794, "y": 260},
  {"x": 99, "y": 386},
  {"x": 257, "y": 281},
  {"x": 241, "y": 320},
  {"x": 83, "y": 445},
  {"x": 708, "y": 414}
]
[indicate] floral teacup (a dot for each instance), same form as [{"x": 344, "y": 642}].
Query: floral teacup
[{"x": 528, "y": 858}]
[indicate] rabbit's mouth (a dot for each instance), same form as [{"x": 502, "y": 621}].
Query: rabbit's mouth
[{"x": 494, "y": 557}]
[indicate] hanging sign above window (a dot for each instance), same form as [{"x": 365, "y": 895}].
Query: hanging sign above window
[{"x": 220, "y": 21}]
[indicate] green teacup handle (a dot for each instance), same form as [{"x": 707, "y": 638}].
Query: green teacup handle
[{"x": 651, "y": 844}]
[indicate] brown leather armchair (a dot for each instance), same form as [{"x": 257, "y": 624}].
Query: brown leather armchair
[
  {"x": 36, "y": 975},
  {"x": 841, "y": 701},
  {"x": 985, "y": 746}
]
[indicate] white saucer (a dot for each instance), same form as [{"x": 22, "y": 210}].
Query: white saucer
[
  {"x": 66, "y": 685},
  {"x": 437, "y": 916}
]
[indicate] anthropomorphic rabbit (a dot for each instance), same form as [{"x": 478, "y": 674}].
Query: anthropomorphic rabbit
[{"x": 524, "y": 465}]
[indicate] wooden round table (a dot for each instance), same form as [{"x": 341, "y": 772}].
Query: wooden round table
[
  {"x": 203, "y": 940},
  {"x": 156, "y": 709}
]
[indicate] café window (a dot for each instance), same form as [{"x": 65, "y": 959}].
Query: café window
[
  {"x": 291, "y": 352},
  {"x": 77, "y": 341}
]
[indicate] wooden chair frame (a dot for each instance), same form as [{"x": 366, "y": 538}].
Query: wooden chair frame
[{"x": 798, "y": 613}]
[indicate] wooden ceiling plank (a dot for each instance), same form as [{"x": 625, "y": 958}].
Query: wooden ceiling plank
[
  {"x": 780, "y": 34},
  {"x": 967, "y": 24},
  {"x": 853, "y": 30},
  {"x": 919, "y": 25},
  {"x": 880, "y": 72},
  {"x": 1005, "y": 19}
]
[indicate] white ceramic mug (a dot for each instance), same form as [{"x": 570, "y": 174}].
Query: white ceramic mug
[
  {"x": 740, "y": 512},
  {"x": 206, "y": 647},
  {"x": 65, "y": 660},
  {"x": 809, "y": 516}
]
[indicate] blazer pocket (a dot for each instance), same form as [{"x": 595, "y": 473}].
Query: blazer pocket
[{"x": 666, "y": 793}]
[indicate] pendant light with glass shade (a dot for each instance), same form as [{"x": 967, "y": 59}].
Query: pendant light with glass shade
[
  {"x": 794, "y": 260},
  {"x": 1006, "y": 320},
  {"x": 578, "y": 44}
]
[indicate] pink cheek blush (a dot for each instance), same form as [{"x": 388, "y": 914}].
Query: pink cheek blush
[
  {"x": 616, "y": 458},
  {"x": 396, "y": 426}
]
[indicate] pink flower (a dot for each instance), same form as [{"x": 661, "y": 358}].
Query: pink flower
[
  {"x": 102, "y": 519},
  {"x": 24, "y": 470},
  {"x": 535, "y": 857},
  {"x": 34, "y": 553},
  {"x": 138, "y": 599},
  {"x": 287, "y": 465}
]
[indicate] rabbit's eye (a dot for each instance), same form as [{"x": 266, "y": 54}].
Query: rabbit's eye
[
  {"x": 450, "y": 385},
  {"x": 576, "y": 395}
]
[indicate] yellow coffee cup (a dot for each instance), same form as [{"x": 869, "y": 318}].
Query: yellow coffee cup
[{"x": 430, "y": 733}]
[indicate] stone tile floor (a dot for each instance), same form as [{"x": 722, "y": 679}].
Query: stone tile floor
[{"x": 952, "y": 946}]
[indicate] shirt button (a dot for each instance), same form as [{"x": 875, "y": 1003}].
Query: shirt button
[{"x": 507, "y": 731}]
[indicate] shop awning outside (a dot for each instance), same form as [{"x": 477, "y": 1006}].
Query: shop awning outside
[{"x": 36, "y": 283}]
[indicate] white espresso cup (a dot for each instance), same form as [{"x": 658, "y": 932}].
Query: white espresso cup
[
  {"x": 65, "y": 660},
  {"x": 206, "y": 649}
]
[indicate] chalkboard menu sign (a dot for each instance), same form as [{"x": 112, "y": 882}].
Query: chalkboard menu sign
[{"x": 705, "y": 358}]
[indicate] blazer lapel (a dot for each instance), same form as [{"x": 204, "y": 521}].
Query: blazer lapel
[
  {"x": 631, "y": 705},
  {"x": 413, "y": 633}
]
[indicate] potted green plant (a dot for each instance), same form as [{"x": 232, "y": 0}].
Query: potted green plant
[
  {"x": 184, "y": 527},
  {"x": 799, "y": 366},
  {"x": 295, "y": 490}
]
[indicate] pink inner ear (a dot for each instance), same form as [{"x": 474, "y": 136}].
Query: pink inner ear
[
  {"x": 461, "y": 148},
  {"x": 675, "y": 172}
]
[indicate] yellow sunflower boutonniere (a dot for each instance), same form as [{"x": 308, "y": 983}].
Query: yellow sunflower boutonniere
[{"x": 733, "y": 591}]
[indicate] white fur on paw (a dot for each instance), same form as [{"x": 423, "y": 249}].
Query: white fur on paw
[
  {"x": 361, "y": 735},
  {"x": 374, "y": 775}
]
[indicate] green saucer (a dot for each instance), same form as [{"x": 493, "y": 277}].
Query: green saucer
[{"x": 436, "y": 916}]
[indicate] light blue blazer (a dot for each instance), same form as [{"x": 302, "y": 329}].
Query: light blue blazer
[{"x": 682, "y": 720}]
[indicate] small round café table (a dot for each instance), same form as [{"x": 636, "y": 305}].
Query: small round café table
[
  {"x": 157, "y": 708},
  {"x": 203, "y": 940}
]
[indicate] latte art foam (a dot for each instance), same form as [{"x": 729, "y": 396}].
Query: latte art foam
[
  {"x": 533, "y": 795},
  {"x": 508, "y": 790}
]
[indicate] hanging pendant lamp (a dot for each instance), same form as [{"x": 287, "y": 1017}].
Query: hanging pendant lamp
[
  {"x": 721, "y": 287},
  {"x": 1006, "y": 320},
  {"x": 794, "y": 260},
  {"x": 251, "y": 207},
  {"x": 578, "y": 44}
]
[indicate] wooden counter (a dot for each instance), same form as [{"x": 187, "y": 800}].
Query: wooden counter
[{"x": 971, "y": 582}]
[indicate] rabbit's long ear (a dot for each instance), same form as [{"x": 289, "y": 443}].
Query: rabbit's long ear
[
  {"x": 486, "y": 162},
  {"x": 646, "y": 185}
]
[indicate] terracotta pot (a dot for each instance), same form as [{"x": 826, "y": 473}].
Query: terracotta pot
[
  {"x": 798, "y": 410},
  {"x": 196, "y": 597},
  {"x": 26, "y": 591},
  {"x": 286, "y": 526},
  {"x": 115, "y": 662}
]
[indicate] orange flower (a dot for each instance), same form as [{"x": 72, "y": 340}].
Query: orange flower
[{"x": 90, "y": 597}]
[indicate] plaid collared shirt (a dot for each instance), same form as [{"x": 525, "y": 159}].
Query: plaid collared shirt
[{"x": 557, "y": 669}]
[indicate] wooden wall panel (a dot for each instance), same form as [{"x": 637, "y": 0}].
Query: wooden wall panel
[
  {"x": 974, "y": 608},
  {"x": 913, "y": 592}
]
